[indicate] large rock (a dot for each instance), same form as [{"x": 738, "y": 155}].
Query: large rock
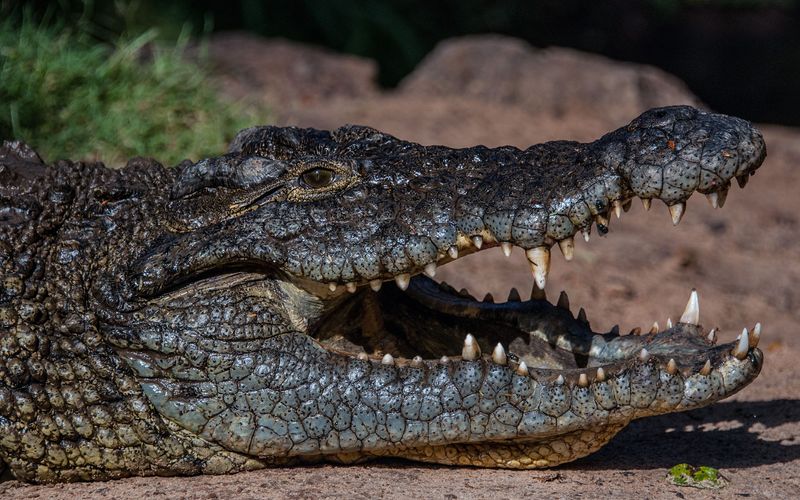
[
  {"x": 287, "y": 74},
  {"x": 553, "y": 82}
]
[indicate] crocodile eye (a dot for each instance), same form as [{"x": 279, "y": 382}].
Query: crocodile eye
[{"x": 318, "y": 177}]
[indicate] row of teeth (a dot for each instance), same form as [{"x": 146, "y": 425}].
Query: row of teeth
[
  {"x": 471, "y": 351},
  {"x": 539, "y": 257}
]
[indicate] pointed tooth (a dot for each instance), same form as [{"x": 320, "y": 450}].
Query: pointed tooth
[
  {"x": 691, "y": 315},
  {"x": 363, "y": 356},
  {"x": 587, "y": 232},
  {"x": 636, "y": 331},
  {"x": 489, "y": 298},
  {"x": 430, "y": 269},
  {"x": 669, "y": 323},
  {"x": 332, "y": 287},
  {"x": 560, "y": 380},
  {"x": 351, "y": 287},
  {"x": 537, "y": 293},
  {"x": 522, "y": 369},
  {"x": 375, "y": 285},
  {"x": 453, "y": 252},
  {"x": 583, "y": 380},
  {"x": 672, "y": 367},
  {"x": 755, "y": 335},
  {"x": 567, "y": 246},
  {"x": 654, "y": 329},
  {"x": 713, "y": 199},
  {"x": 740, "y": 351},
  {"x": 563, "y": 300},
  {"x": 644, "y": 355},
  {"x": 499, "y": 354},
  {"x": 471, "y": 351},
  {"x": 477, "y": 241},
  {"x": 465, "y": 293},
  {"x": 742, "y": 180},
  {"x": 601, "y": 375},
  {"x": 539, "y": 258},
  {"x": 721, "y": 197},
  {"x": 388, "y": 359},
  {"x": 444, "y": 360},
  {"x": 647, "y": 203},
  {"x": 618, "y": 208},
  {"x": 507, "y": 248},
  {"x": 706, "y": 369},
  {"x": 402, "y": 281},
  {"x": 582, "y": 317},
  {"x": 712, "y": 336},
  {"x": 416, "y": 362},
  {"x": 626, "y": 205},
  {"x": 676, "y": 212},
  {"x": 614, "y": 331},
  {"x": 513, "y": 295}
]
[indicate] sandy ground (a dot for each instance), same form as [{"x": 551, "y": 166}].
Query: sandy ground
[{"x": 744, "y": 260}]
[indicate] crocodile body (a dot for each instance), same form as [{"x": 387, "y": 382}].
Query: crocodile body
[{"x": 271, "y": 305}]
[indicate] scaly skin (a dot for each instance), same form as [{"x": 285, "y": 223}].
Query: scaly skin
[{"x": 228, "y": 315}]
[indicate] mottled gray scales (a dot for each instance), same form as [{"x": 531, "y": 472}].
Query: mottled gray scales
[{"x": 275, "y": 304}]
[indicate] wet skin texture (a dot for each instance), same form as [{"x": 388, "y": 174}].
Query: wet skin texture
[{"x": 228, "y": 315}]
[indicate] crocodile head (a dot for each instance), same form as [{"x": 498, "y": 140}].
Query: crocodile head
[{"x": 277, "y": 303}]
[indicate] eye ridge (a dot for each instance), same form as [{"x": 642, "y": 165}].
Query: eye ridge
[{"x": 318, "y": 177}]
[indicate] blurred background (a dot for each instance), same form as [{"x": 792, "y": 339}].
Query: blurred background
[{"x": 740, "y": 57}]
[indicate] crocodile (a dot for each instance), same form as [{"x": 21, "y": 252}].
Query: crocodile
[{"x": 275, "y": 305}]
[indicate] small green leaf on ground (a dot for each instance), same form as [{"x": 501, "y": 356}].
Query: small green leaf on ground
[{"x": 703, "y": 477}]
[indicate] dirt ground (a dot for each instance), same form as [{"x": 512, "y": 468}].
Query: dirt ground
[{"x": 743, "y": 259}]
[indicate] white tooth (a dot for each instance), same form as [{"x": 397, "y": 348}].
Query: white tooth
[
  {"x": 712, "y": 336},
  {"x": 567, "y": 246},
  {"x": 691, "y": 315},
  {"x": 471, "y": 351},
  {"x": 713, "y": 199},
  {"x": 363, "y": 356},
  {"x": 672, "y": 367},
  {"x": 444, "y": 360},
  {"x": 416, "y": 362},
  {"x": 740, "y": 351},
  {"x": 706, "y": 369},
  {"x": 586, "y": 231},
  {"x": 453, "y": 252},
  {"x": 332, "y": 287},
  {"x": 351, "y": 287},
  {"x": 430, "y": 269},
  {"x": 676, "y": 212},
  {"x": 583, "y": 381},
  {"x": 375, "y": 285},
  {"x": 644, "y": 356},
  {"x": 669, "y": 323},
  {"x": 506, "y": 247},
  {"x": 387, "y": 359},
  {"x": 522, "y": 369},
  {"x": 477, "y": 241},
  {"x": 560, "y": 380},
  {"x": 654, "y": 328},
  {"x": 513, "y": 295},
  {"x": 755, "y": 335},
  {"x": 499, "y": 355},
  {"x": 618, "y": 208},
  {"x": 402, "y": 280},
  {"x": 539, "y": 258},
  {"x": 601, "y": 375},
  {"x": 646, "y": 203}
]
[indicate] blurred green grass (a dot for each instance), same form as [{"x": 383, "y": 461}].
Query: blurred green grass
[{"x": 70, "y": 96}]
